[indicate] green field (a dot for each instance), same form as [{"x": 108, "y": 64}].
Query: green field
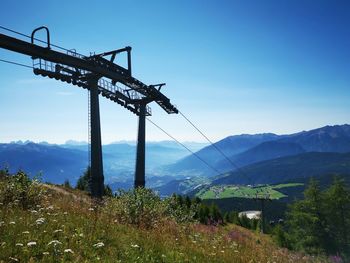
[{"x": 229, "y": 191}]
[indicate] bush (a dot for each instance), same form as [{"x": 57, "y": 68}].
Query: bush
[
  {"x": 280, "y": 237},
  {"x": 140, "y": 207},
  {"x": 181, "y": 210},
  {"x": 18, "y": 189}
]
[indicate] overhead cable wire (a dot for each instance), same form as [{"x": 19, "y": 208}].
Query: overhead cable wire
[
  {"x": 239, "y": 169},
  {"x": 15, "y": 63},
  {"x": 188, "y": 149}
]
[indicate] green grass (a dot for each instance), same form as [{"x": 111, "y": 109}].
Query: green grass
[
  {"x": 229, "y": 191},
  {"x": 64, "y": 225}
]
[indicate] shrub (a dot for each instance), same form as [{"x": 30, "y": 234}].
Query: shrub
[
  {"x": 19, "y": 189},
  {"x": 140, "y": 207}
]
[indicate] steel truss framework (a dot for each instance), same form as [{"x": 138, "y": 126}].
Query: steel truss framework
[{"x": 101, "y": 76}]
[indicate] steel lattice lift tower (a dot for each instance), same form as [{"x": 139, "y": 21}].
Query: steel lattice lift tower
[{"x": 100, "y": 75}]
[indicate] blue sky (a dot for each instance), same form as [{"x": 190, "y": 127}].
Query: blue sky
[{"x": 231, "y": 66}]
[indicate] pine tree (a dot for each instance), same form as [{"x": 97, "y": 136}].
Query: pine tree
[
  {"x": 338, "y": 216},
  {"x": 307, "y": 221},
  {"x": 83, "y": 181},
  {"x": 188, "y": 202}
]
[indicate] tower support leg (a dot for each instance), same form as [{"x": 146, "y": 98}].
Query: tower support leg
[
  {"x": 140, "y": 154},
  {"x": 97, "y": 178}
]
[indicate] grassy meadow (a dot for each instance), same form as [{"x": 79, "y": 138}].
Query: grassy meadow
[
  {"x": 229, "y": 191},
  {"x": 46, "y": 223}
]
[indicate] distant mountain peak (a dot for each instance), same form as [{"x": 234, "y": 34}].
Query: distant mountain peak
[{"x": 74, "y": 142}]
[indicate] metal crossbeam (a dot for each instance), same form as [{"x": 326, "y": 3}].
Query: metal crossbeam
[
  {"x": 100, "y": 76},
  {"x": 94, "y": 64}
]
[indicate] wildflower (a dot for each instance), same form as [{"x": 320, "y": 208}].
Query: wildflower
[
  {"x": 135, "y": 246},
  {"x": 14, "y": 259},
  {"x": 91, "y": 209},
  {"x": 68, "y": 250},
  {"x": 99, "y": 244},
  {"x": 54, "y": 242},
  {"x": 31, "y": 243},
  {"x": 46, "y": 253},
  {"x": 163, "y": 256},
  {"x": 25, "y": 232},
  {"x": 40, "y": 221},
  {"x": 12, "y": 223},
  {"x": 34, "y": 211},
  {"x": 58, "y": 230},
  {"x": 19, "y": 245}
]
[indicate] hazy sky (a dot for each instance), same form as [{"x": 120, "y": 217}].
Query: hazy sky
[{"x": 231, "y": 66}]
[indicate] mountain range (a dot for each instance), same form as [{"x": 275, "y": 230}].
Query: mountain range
[
  {"x": 245, "y": 149},
  {"x": 56, "y": 163},
  {"x": 268, "y": 158},
  {"x": 248, "y": 159}
]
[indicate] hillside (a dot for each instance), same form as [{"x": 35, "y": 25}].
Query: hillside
[
  {"x": 55, "y": 224},
  {"x": 247, "y": 149},
  {"x": 231, "y": 145},
  {"x": 289, "y": 169},
  {"x": 326, "y": 139},
  {"x": 264, "y": 151}
]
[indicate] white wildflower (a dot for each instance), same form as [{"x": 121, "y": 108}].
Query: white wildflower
[
  {"x": 12, "y": 223},
  {"x": 25, "y": 232},
  {"x": 19, "y": 245},
  {"x": 135, "y": 245},
  {"x": 46, "y": 253},
  {"x": 31, "y": 243},
  {"x": 34, "y": 211},
  {"x": 54, "y": 242},
  {"x": 40, "y": 221},
  {"x": 58, "y": 230},
  {"x": 68, "y": 250},
  {"x": 14, "y": 259},
  {"x": 91, "y": 209},
  {"x": 99, "y": 244}
]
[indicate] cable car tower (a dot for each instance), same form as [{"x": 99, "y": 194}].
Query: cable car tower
[{"x": 100, "y": 74}]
